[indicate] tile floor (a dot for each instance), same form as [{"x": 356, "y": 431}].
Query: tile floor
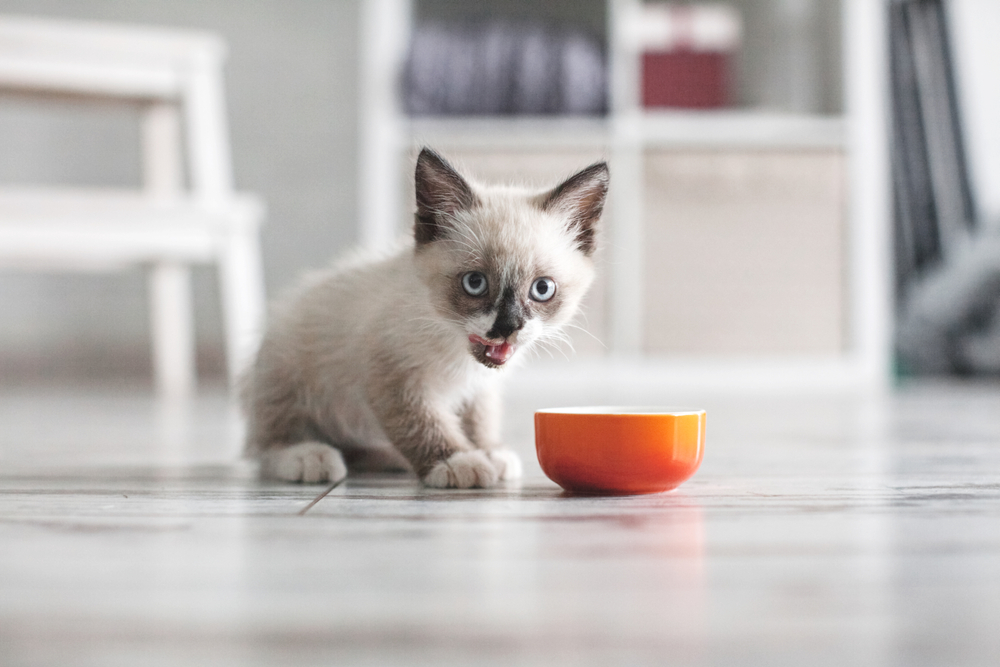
[{"x": 819, "y": 531}]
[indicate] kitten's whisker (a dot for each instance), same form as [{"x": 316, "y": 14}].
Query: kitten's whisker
[
  {"x": 474, "y": 234},
  {"x": 547, "y": 349},
  {"x": 557, "y": 338},
  {"x": 576, "y": 326},
  {"x": 549, "y": 340},
  {"x": 562, "y": 348},
  {"x": 552, "y": 349},
  {"x": 466, "y": 232},
  {"x": 469, "y": 239},
  {"x": 464, "y": 242}
]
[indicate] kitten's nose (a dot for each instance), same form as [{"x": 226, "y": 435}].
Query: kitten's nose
[{"x": 510, "y": 316}]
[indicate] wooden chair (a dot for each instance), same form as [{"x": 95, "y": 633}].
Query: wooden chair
[{"x": 187, "y": 211}]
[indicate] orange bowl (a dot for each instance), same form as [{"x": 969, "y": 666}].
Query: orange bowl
[{"x": 619, "y": 450}]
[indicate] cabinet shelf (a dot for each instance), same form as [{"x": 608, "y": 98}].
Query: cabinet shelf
[
  {"x": 509, "y": 131},
  {"x": 653, "y": 129},
  {"x": 744, "y": 129}
]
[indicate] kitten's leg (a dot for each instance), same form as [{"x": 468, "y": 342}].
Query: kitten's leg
[
  {"x": 431, "y": 439},
  {"x": 481, "y": 423},
  {"x": 310, "y": 462},
  {"x": 275, "y": 419}
]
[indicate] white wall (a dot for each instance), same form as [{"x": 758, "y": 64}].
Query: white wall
[
  {"x": 976, "y": 40},
  {"x": 291, "y": 86}
]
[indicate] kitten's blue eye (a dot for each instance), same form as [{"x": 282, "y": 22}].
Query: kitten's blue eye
[
  {"x": 474, "y": 283},
  {"x": 543, "y": 289}
]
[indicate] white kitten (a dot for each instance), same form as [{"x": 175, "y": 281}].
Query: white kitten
[{"x": 393, "y": 363}]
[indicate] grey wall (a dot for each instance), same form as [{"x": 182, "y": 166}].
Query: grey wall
[{"x": 291, "y": 87}]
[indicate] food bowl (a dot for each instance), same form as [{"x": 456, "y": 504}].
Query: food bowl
[{"x": 619, "y": 450}]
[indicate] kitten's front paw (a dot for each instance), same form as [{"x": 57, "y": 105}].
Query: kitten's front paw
[
  {"x": 462, "y": 471},
  {"x": 507, "y": 463},
  {"x": 309, "y": 462}
]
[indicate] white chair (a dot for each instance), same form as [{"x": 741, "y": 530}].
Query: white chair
[{"x": 175, "y": 77}]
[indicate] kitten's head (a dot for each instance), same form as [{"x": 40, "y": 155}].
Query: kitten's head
[{"x": 506, "y": 267}]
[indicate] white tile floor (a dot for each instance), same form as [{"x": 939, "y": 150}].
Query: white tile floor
[{"x": 819, "y": 531}]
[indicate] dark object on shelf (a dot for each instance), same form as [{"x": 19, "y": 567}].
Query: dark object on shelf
[
  {"x": 947, "y": 271},
  {"x": 503, "y": 68}
]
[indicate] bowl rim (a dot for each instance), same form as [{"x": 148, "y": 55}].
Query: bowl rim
[{"x": 622, "y": 410}]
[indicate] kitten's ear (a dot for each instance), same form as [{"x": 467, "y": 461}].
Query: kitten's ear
[
  {"x": 441, "y": 192},
  {"x": 581, "y": 198}
]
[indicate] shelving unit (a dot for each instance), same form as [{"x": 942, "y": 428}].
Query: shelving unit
[{"x": 852, "y": 146}]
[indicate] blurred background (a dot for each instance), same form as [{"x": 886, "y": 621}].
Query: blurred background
[{"x": 760, "y": 225}]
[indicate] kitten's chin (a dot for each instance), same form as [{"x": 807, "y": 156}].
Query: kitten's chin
[{"x": 490, "y": 354}]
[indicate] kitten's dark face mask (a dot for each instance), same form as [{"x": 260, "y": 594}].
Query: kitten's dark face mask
[
  {"x": 506, "y": 285},
  {"x": 498, "y": 345},
  {"x": 510, "y": 314}
]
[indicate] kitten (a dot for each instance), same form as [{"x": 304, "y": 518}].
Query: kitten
[{"x": 393, "y": 363}]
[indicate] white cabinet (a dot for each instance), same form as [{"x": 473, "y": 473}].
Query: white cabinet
[{"x": 744, "y": 248}]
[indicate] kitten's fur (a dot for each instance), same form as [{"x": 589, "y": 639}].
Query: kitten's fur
[{"x": 393, "y": 363}]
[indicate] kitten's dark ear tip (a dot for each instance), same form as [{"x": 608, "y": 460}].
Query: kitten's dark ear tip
[
  {"x": 428, "y": 153},
  {"x": 429, "y": 161},
  {"x": 598, "y": 171},
  {"x": 440, "y": 193},
  {"x": 581, "y": 198}
]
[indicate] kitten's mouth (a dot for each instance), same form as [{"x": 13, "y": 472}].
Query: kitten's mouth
[{"x": 489, "y": 353}]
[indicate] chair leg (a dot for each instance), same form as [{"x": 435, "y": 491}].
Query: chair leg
[
  {"x": 173, "y": 329},
  {"x": 241, "y": 280}
]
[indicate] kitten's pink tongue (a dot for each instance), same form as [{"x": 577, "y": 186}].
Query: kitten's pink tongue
[{"x": 498, "y": 354}]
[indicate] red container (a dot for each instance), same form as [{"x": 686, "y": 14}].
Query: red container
[{"x": 686, "y": 79}]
